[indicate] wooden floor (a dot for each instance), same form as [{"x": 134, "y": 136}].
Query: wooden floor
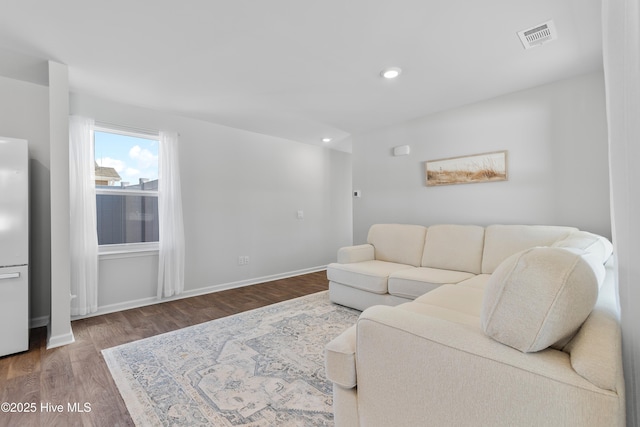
[{"x": 40, "y": 380}]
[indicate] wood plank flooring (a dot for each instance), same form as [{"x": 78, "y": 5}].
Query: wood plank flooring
[{"x": 40, "y": 380}]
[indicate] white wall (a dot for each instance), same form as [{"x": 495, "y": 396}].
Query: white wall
[
  {"x": 241, "y": 193},
  {"x": 556, "y": 137},
  {"x": 24, "y": 113}
]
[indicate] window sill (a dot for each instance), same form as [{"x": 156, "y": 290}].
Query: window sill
[{"x": 127, "y": 251}]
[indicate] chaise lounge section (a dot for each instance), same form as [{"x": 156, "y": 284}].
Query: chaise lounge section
[{"x": 501, "y": 325}]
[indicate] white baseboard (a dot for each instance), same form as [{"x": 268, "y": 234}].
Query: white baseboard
[
  {"x": 60, "y": 340},
  {"x": 38, "y": 322},
  {"x": 112, "y": 308}
]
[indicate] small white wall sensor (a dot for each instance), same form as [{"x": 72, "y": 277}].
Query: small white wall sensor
[{"x": 401, "y": 150}]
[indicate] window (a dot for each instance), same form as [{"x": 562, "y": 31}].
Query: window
[{"x": 126, "y": 168}]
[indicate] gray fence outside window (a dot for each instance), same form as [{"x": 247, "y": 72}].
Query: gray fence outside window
[{"x": 124, "y": 218}]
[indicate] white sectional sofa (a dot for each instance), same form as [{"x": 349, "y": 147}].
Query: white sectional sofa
[{"x": 477, "y": 326}]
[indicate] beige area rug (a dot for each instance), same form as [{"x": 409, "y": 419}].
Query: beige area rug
[{"x": 263, "y": 367}]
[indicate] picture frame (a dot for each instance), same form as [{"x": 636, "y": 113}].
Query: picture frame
[{"x": 475, "y": 168}]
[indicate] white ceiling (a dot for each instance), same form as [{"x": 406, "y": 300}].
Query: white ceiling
[{"x": 298, "y": 69}]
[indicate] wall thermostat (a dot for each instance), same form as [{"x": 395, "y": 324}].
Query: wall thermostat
[{"x": 401, "y": 150}]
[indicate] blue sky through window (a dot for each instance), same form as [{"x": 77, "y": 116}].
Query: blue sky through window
[{"x": 132, "y": 157}]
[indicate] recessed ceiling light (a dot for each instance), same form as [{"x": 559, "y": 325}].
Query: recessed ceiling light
[
  {"x": 391, "y": 73},
  {"x": 325, "y": 140}
]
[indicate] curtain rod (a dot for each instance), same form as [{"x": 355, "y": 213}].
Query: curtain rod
[{"x": 127, "y": 129}]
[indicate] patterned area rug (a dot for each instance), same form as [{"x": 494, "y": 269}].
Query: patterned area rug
[{"x": 263, "y": 367}]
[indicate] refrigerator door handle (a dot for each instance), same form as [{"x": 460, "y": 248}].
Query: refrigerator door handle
[{"x": 9, "y": 276}]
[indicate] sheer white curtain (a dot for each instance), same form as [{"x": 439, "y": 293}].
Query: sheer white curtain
[
  {"x": 171, "y": 255},
  {"x": 621, "y": 54},
  {"x": 82, "y": 210}
]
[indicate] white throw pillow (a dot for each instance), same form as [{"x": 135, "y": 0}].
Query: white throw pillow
[{"x": 538, "y": 297}]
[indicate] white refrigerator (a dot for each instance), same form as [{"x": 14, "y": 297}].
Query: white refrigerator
[{"x": 14, "y": 246}]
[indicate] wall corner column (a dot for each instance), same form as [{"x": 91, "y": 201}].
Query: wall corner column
[{"x": 60, "y": 332}]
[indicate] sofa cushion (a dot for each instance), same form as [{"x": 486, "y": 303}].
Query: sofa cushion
[
  {"x": 370, "y": 276},
  {"x": 538, "y": 297},
  {"x": 450, "y": 303},
  {"x": 454, "y": 247},
  {"x": 442, "y": 313},
  {"x": 413, "y": 282},
  {"x": 477, "y": 282},
  {"x": 502, "y": 241},
  {"x": 467, "y": 301},
  {"x": 398, "y": 243}
]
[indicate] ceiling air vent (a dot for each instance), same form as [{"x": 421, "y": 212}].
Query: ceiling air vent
[{"x": 538, "y": 35}]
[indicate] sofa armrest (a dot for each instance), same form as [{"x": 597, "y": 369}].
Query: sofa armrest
[
  {"x": 358, "y": 253},
  {"x": 340, "y": 359},
  {"x": 414, "y": 367},
  {"x": 600, "y": 363}
]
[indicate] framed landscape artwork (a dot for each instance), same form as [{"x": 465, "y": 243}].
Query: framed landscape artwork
[{"x": 485, "y": 167}]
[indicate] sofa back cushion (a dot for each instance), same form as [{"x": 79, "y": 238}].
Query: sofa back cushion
[
  {"x": 588, "y": 242},
  {"x": 596, "y": 250},
  {"x": 454, "y": 247},
  {"x": 538, "y": 297},
  {"x": 502, "y": 241},
  {"x": 400, "y": 243}
]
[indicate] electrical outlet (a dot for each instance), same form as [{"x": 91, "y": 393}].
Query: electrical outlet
[
  {"x": 243, "y": 260},
  {"x": 246, "y": 260}
]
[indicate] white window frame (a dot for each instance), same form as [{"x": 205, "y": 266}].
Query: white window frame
[{"x": 127, "y": 250}]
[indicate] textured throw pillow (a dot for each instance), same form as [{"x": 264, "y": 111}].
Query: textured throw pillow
[{"x": 537, "y": 297}]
